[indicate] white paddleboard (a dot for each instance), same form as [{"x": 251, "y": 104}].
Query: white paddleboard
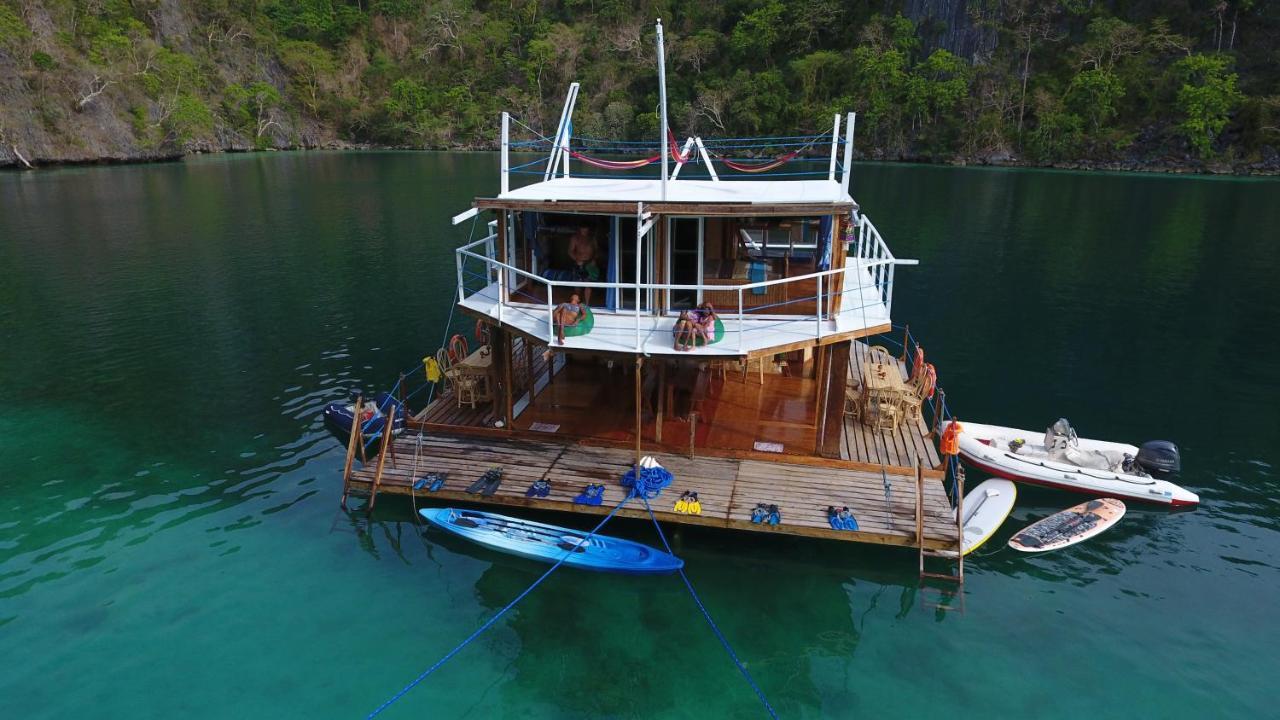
[
  {"x": 985, "y": 509},
  {"x": 1069, "y": 526}
]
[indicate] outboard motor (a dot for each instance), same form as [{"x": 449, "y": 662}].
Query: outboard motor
[{"x": 1159, "y": 458}]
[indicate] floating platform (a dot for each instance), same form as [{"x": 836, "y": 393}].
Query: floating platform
[{"x": 728, "y": 488}]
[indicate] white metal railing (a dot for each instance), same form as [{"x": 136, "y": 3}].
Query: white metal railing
[{"x": 873, "y": 259}]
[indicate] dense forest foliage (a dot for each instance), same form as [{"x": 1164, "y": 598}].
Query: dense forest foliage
[{"x": 1034, "y": 81}]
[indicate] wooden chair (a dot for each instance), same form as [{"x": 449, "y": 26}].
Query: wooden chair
[
  {"x": 882, "y": 409},
  {"x": 852, "y": 401},
  {"x": 877, "y": 354},
  {"x": 461, "y": 384},
  {"x": 746, "y": 367},
  {"x": 919, "y": 388}
]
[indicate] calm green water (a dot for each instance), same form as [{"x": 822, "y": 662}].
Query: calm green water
[{"x": 171, "y": 545}]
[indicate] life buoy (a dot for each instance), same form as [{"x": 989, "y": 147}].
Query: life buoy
[
  {"x": 482, "y": 332},
  {"x": 950, "y": 443},
  {"x": 458, "y": 350},
  {"x": 930, "y": 380},
  {"x": 918, "y": 363}
]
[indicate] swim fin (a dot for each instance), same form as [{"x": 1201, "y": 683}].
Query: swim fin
[
  {"x": 495, "y": 479},
  {"x": 682, "y": 505},
  {"x": 479, "y": 484},
  {"x": 775, "y": 515},
  {"x": 693, "y": 507},
  {"x": 437, "y": 483}
]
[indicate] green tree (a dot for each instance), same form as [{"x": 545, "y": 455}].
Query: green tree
[
  {"x": 1093, "y": 94},
  {"x": 311, "y": 68},
  {"x": 756, "y": 35},
  {"x": 1206, "y": 98}
]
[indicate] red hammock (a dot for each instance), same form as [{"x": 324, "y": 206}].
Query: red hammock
[
  {"x": 633, "y": 164},
  {"x": 759, "y": 167}
]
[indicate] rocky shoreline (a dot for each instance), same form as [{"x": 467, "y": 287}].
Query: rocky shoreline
[{"x": 11, "y": 158}]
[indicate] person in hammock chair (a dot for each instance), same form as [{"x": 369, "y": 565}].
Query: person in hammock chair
[
  {"x": 684, "y": 331},
  {"x": 567, "y": 315},
  {"x": 582, "y": 250},
  {"x": 704, "y": 322}
]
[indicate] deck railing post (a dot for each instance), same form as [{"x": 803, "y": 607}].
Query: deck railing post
[
  {"x": 387, "y": 425},
  {"x": 506, "y": 149},
  {"x": 939, "y": 409},
  {"x": 551, "y": 316},
  {"x": 460, "y": 259},
  {"x": 742, "y": 329},
  {"x": 693, "y": 432},
  {"x": 835, "y": 143},
  {"x": 959, "y": 490},
  {"x": 906, "y": 337},
  {"x": 818, "y": 310}
]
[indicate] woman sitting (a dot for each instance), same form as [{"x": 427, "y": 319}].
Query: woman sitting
[
  {"x": 567, "y": 315},
  {"x": 684, "y": 331},
  {"x": 704, "y": 322}
]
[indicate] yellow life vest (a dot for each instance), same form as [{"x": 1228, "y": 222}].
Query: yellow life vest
[{"x": 432, "y": 369}]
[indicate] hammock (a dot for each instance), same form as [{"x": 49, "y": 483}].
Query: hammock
[
  {"x": 633, "y": 164},
  {"x": 767, "y": 165},
  {"x": 759, "y": 167}
]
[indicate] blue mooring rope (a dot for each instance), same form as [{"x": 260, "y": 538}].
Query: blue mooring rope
[
  {"x": 489, "y": 623},
  {"x": 707, "y": 614}
]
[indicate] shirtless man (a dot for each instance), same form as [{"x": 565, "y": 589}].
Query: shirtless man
[
  {"x": 582, "y": 250},
  {"x": 567, "y": 315}
]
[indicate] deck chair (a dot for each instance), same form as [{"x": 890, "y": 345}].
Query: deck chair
[
  {"x": 462, "y": 385},
  {"x": 883, "y": 409},
  {"x": 877, "y": 354},
  {"x": 852, "y": 401}
]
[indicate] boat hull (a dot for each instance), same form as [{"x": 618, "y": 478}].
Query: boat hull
[
  {"x": 550, "y": 543},
  {"x": 339, "y": 417},
  {"x": 994, "y": 460}
]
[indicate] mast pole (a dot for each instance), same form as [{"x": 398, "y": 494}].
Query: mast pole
[{"x": 662, "y": 101}]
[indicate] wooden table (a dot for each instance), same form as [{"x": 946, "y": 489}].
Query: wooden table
[{"x": 478, "y": 364}]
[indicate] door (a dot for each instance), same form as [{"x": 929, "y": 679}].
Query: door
[
  {"x": 627, "y": 264},
  {"x": 684, "y": 258}
]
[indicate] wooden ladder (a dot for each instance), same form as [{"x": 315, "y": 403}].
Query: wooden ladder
[{"x": 958, "y": 576}]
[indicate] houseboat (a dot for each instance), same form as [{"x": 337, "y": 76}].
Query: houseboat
[{"x": 798, "y": 394}]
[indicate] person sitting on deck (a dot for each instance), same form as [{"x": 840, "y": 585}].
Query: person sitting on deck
[
  {"x": 567, "y": 315},
  {"x": 704, "y": 322},
  {"x": 582, "y": 250},
  {"x": 684, "y": 331}
]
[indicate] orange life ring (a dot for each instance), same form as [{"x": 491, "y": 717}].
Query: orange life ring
[
  {"x": 950, "y": 443},
  {"x": 930, "y": 380},
  {"x": 482, "y": 332},
  {"x": 458, "y": 350}
]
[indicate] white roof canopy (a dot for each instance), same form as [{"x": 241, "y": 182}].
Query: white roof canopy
[{"x": 771, "y": 192}]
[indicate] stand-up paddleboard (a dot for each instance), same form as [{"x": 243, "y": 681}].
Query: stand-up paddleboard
[
  {"x": 985, "y": 510},
  {"x": 1069, "y": 526}
]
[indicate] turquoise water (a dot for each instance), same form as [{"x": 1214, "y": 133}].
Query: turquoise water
[{"x": 171, "y": 543}]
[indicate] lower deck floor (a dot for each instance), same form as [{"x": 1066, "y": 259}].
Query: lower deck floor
[{"x": 884, "y": 503}]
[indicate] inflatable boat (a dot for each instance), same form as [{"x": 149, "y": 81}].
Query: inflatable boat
[
  {"x": 1058, "y": 458},
  {"x": 339, "y": 417}
]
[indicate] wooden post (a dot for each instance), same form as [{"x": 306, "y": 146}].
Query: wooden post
[
  {"x": 401, "y": 386},
  {"x": 693, "y": 432},
  {"x": 382, "y": 460},
  {"x": 959, "y": 478},
  {"x": 508, "y": 359},
  {"x": 662, "y": 400},
  {"x": 920, "y": 512},
  {"x": 937, "y": 413},
  {"x": 906, "y": 334},
  {"x": 352, "y": 441}
]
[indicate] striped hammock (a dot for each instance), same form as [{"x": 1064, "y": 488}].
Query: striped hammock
[
  {"x": 759, "y": 167},
  {"x": 633, "y": 164}
]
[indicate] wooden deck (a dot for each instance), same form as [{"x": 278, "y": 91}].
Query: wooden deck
[
  {"x": 903, "y": 447},
  {"x": 728, "y": 488}
]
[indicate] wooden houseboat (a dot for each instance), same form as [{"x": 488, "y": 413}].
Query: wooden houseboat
[{"x": 790, "y": 401}]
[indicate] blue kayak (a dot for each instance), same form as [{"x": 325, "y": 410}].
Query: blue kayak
[{"x": 549, "y": 543}]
